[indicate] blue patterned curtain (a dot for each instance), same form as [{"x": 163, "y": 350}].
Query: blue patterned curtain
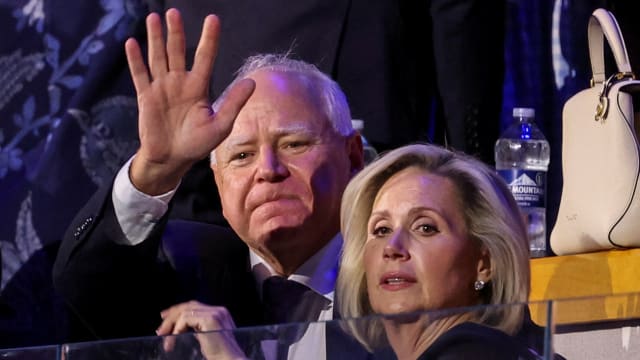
[{"x": 68, "y": 120}]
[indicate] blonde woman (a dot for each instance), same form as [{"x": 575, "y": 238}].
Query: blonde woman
[{"x": 428, "y": 229}]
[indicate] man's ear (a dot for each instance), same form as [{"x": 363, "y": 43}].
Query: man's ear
[
  {"x": 484, "y": 265},
  {"x": 219, "y": 183},
  {"x": 356, "y": 152}
]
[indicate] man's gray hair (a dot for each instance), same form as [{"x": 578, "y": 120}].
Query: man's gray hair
[{"x": 333, "y": 101}]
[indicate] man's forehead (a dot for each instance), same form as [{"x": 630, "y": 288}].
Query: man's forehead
[{"x": 304, "y": 127}]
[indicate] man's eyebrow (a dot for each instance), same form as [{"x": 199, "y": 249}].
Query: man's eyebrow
[
  {"x": 229, "y": 144},
  {"x": 298, "y": 129},
  {"x": 293, "y": 129},
  {"x": 238, "y": 141}
]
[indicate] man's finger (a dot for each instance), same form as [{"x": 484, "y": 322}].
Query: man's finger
[
  {"x": 182, "y": 324},
  {"x": 178, "y": 326},
  {"x": 166, "y": 329},
  {"x": 157, "y": 52},
  {"x": 230, "y": 107},
  {"x": 169, "y": 342},
  {"x": 175, "y": 41},
  {"x": 139, "y": 72},
  {"x": 207, "y": 48}
]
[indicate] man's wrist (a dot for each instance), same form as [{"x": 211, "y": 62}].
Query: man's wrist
[
  {"x": 153, "y": 179},
  {"x": 137, "y": 212}
]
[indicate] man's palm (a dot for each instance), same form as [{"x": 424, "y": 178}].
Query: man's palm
[{"x": 176, "y": 124}]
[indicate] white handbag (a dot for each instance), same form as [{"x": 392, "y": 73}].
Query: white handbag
[{"x": 600, "y": 201}]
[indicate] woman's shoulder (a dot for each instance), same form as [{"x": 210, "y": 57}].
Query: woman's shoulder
[{"x": 475, "y": 341}]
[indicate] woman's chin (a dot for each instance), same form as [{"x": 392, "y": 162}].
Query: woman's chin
[{"x": 397, "y": 309}]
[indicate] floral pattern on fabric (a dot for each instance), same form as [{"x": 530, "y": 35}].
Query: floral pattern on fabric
[{"x": 67, "y": 122}]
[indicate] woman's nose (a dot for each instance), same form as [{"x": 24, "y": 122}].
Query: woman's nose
[
  {"x": 395, "y": 248},
  {"x": 270, "y": 166}
]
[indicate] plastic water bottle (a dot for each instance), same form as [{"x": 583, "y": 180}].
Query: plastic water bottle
[
  {"x": 522, "y": 159},
  {"x": 370, "y": 153}
]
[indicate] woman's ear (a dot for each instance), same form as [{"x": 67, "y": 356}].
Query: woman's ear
[{"x": 484, "y": 265}]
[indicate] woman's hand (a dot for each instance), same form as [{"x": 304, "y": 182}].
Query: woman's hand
[{"x": 209, "y": 322}]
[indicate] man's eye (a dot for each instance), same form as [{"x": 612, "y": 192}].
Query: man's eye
[
  {"x": 240, "y": 156},
  {"x": 295, "y": 144}
]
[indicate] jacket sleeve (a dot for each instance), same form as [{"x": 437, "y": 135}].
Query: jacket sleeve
[{"x": 114, "y": 290}]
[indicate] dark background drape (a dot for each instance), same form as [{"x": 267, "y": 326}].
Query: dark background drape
[{"x": 68, "y": 121}]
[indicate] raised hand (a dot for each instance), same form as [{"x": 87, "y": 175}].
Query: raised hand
[{"x": 176, "y": 124}]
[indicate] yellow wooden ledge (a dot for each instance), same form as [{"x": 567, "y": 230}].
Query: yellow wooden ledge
[{"x": 606, "y": 273}]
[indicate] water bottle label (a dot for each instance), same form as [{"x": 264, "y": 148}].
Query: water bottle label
[{"x": 527, "y": 186}]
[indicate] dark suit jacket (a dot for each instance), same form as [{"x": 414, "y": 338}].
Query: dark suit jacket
[{"x": 118, "y": 291}]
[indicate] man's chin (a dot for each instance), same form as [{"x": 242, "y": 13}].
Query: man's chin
[
  {"x": 289, "y": 247},
  {"x": 288, "y": 237},
  {"x": 270, "y": 232},
  {"x": 274, "y": 221}
]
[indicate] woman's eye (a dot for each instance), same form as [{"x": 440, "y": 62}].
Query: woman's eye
[
  {"x": 428, "y": 229},
  {"x": 381, "y": 230}
]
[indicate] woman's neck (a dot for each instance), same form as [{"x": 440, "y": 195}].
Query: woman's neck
[{"x": 409, "y": 339}]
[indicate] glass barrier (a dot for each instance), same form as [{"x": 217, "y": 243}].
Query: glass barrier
[
  {"x": 606, "y": 327},
  {"x": 336, "y": 339},
  {"x": 579, "y": 328},
  {"x": 32, "y": 353}
]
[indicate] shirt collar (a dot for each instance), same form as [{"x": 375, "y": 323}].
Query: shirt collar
[{"x": 319, "y": 272}]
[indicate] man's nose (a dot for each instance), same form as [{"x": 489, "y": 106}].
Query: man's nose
[
  {"x": 270, "y": 166},
  {"x": 396, "y": 246}
]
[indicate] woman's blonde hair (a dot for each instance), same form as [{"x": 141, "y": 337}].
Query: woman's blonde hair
[{"x": 492, "y": 218}]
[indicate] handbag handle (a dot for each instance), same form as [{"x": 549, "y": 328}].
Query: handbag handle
[{"x": 603, "y": 22}]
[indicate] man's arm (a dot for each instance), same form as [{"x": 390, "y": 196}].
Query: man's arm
[
  {"x": 115, "y": 290},
  {"x": 136, "y": 212},
  {"x": 119, "y": 290}
]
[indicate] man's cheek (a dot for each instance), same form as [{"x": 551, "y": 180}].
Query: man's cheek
[
  {"x": 322, "y": 185},
  {"x": 233, "y": 204}
]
